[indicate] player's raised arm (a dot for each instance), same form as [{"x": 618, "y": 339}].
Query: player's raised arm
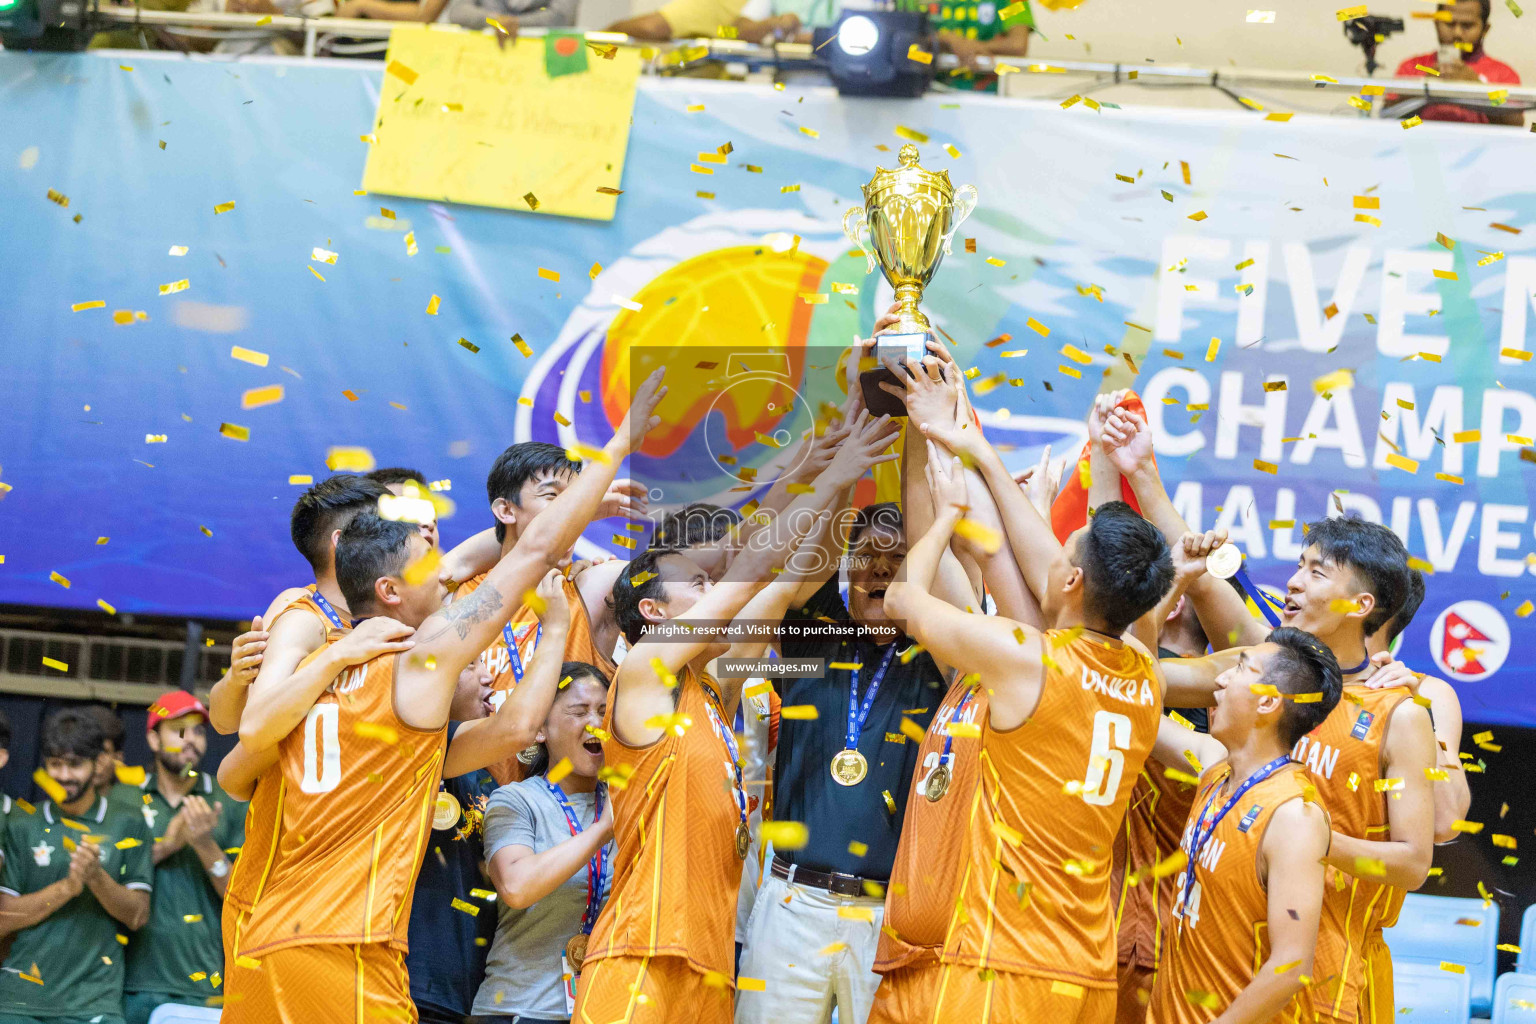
[
  {"x": 1191, "y": 682},
  {"x": 1182, "y": 748},
  {"x": 1222, "y": 613},
  {"x": 453, "y": 636},
  {"x": 1403, "y": 859},
  {"x": 1006, "y": 653}
]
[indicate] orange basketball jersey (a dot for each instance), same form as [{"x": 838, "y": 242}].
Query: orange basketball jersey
[
  {"x": 1220, "y": 933},
  {"x": 924, "y": 878},
  {"x": 676, "y": 870},
  {"x": 1154, "y": 823},
  {"x": 357, "y": 810},
  {"x": 1344, "y": 758},
  {"x": 265, "y": 809},
  {"x": 1035, "y": 896}
]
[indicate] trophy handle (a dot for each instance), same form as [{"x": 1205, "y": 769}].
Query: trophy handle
[
  {"x": 856, "y": 227},
  {"x": 963, "y": 205}
]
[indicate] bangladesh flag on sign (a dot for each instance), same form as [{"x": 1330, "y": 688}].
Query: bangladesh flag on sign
[{"x": 565, "y": 53}]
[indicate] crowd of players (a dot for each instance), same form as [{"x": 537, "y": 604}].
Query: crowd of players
[{"x": 490, "y": 784}]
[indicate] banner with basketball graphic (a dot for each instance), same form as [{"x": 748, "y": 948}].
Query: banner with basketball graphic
[{"x": 1321, "y": 315}]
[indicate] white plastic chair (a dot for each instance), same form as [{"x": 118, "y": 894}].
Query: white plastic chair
[{"x": 176, "y": 1013}]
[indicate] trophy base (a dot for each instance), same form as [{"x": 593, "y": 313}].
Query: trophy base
[{"x": 880, "y": 402}]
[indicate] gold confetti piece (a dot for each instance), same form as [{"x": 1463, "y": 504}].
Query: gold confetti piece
[
  {"x": 60, "y": 580},
  {"x": 1197, "y": 215},
  {"x": 343, "y": 459},
  {"x": 1412, "y": 122},
  {"x": 224, "y": 207},
  {"x": 1449, "y": 243},
  {"x": 235, "y": 432},
  {"x": 549, "y": 275},
  {"x": 1446, "y": 275},
  {"x": 522, "y": 346},
  {"x": 401, "y": 72},
  {"x": 1265, "y": 467},
  {"x": 1407, "y": 465},
  {"x": 1261, "y": 17},
  {"x": 1427, "y": 70},
  {"x": 814, "y": 298},
  {"x": 988, "y": 539},
  {"x": 1450, "y": 968},
  {"x": 257, "y": 397},
  {"x": 997, "y": 262},
  {"x": 246, "y": 355},
  {"x": 851, "y": 913},
  {"x": 104, "y": 606},
  {"x": 750, "y": 984},
  {"x": 249, "y": 963},
  {"x": 1069, "y": 101},
  {"x": 1272, "y": 385},
  {"x": 175, "y": 286},
  {"x": 1066, "y": 988},
  {"x": 1469, "y": 827},
  {"x": 1525, "y": 609},
  {"x": 785, "y": 835},
  {"x": 465, "y": 906},
  {"x": 1335, "y": 381},
  {"x": 54, "y": 663},
  {"x": 374, "y": 731},
  {"x": 465, "y": 342},
  {"x": 836, "y": 947},
  {"x": 789, "y": 188},
  {"x": 45, "y": 782},
  {"x": 320, "y": 255},
  {"x": 370, "y": 138},
  {"x": 1040, "y": 328},
  {"x": 1279, "y": 116},
  {"x": 312, "y": 270},
  {"x": 799, "y": 712},
  {"x": 81, "y": 307}
]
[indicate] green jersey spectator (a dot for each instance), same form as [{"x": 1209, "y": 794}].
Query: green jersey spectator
[
  {"x": 971, "y": 30},
  {"x": 178, "y": 957},
  {"x": 77, "y": 877},
  {"x": 116, "y": 780}
]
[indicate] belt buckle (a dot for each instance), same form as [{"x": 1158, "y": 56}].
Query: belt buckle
[{"x": 845, "y": 885}]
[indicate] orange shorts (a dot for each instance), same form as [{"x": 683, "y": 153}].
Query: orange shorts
[
  {"x": 906, "y": 995},
  {"x": 648, "y": 990},
  {"x": 1134, "y": 993},
  {"x": 964, "y": 995},
  {"x": 323, "y": 984},
  {"x": 1377, "y": 1005}
]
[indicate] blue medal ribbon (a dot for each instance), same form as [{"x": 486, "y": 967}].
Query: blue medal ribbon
[
  {"x": 717, "y": 722},
  {"x": 598, "y": 866},
  {"x": 1203, "y": 832},
  {"x": 328, "y": 609},
  {"x": 1267, "y": 605},
  {"x": 512, "y": 652},
  {"x": 858, "y": 713},
  {"x": 948, "y": 757}
]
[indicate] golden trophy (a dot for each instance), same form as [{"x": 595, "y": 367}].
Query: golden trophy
[{"x": 906, "y": 224}]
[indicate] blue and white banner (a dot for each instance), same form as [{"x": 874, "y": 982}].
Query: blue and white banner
[{"x": 1307, "y": 247}]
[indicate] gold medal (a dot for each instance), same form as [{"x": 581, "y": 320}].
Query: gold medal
[
  {"x": 576, "y": 951},
  {"x": 937, "y": 783},
  {"x": 849, "y": 767},
  {"x": 445, "y": 811},
  {"x": 743, "y": 840}
]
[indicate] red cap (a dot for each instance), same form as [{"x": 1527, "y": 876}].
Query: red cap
[{"x": 174, "y": 705}]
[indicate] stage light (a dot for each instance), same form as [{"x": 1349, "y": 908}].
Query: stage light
[{"x": 872, "y": 53}]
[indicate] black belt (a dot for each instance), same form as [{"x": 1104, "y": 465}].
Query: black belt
[{"x": 834, "y": 882}]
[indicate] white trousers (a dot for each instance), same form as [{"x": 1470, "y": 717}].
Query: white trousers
[{"x": 788, "y": 933}]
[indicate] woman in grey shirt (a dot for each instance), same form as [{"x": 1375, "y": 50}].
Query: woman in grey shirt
[{"x": 549, "y": 853}]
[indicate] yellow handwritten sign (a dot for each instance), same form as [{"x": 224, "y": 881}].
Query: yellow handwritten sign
[{"x": 464, "y": 120}]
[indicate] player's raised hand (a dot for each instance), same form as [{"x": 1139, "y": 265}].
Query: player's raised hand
[
  {"x": 1103, "y": 407},
  {"x": 887, "y": 319},
  {"x": 1127, "y": 440},
  {"x": 931, "y": 394},
  {"x": 246, "y": 653},
  {"x": 627, "y": 498},
  {"x": 1042, "y": 482},
  {"x": 375, "y": 636},
  {"x": 865, "y": 447},
  {"x": 641, "y": 417},
  {"x": 557, "y": 608},
  {"x": 1388, "y": 671},
  {"x": 946, "y": 479},
  {"x": 1190, "y": 552}
]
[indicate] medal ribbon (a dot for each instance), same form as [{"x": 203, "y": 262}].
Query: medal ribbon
[
  {"x": 948, "y": 757},
  {"x": 597, "y": 867},
  {"x": 857, "y": 713},
  {"x": 717, "y": 721},
  {"x": 512, "y": 652},
  {"x": 1267, "y": 605},
  {"x": 328, "y": 609},
  {"x": 1203, "y": 834}
]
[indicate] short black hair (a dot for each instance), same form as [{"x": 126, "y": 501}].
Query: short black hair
[
  {"x": 398, "y": 475},
  {"x": 69, "y": 732},
  {"x": 112, "y": 729},
  {"x": 696, "y": 523},
  {"x": 1410, "y": 608},
  {"x": 5, "y": 731},
  {"x": 520, "y": 463},
  {"x": 884, "y": 514},
  {"x": 627, "y": 594},
  {"x": 572, "y": 670},
  {"x": 1373, "y": 553},
  {"x": 370, "y": 547},
  {"x": 1486, "y": 5},
  {"x": 1304, "y": 665},
  {"x": 329, "y": 506},
  {"x": 1126, "y": 565}
]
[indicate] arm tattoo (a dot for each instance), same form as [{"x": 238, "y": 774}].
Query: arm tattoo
[{"x": 474, "y": 609}]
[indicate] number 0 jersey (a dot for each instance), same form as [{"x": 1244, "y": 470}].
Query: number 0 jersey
[
  {"x": 1220, "y": 934},
  {"x": 358, "y": 785},
  {"x": 1035, "y": 895}
]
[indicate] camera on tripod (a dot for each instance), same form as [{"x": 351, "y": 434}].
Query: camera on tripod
[{"x": 1368, "y": 30}]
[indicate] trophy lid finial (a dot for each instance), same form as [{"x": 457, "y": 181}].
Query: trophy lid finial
[{"x": 908, "y": 155}]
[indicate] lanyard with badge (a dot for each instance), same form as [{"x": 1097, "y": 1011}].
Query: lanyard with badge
[
  {"x": 937, "y": 782},
  {"x": 512, "y": 651},
  {"x": 1205, "y": 826},
  {"x": 849, "y": 765},
  {"x": 717, "y": 720},
  {"x": 328, "y": 610},
  {"x": 575, "y": 952}
]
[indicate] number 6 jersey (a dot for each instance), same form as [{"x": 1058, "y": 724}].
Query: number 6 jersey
[
  {"x": 1035, "y": 895},
  {"x": 358, "y": 786}
]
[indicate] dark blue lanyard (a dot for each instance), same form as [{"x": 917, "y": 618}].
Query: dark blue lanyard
[
  {"x": 326, "y": 607},
  {"x": 949, "y": 735},
  {"x": 1261, "y": 599},
  {"x": 512, "y": 652},
  {"x": 717, "y": 721},
  {"x": 1202, "y": 836},
  {"x": 859, "y": 713},
  {"x": 597, "y": 867}
]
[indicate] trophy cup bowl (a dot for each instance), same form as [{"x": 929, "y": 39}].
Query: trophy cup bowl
[{"x": 906, "y": 225}]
